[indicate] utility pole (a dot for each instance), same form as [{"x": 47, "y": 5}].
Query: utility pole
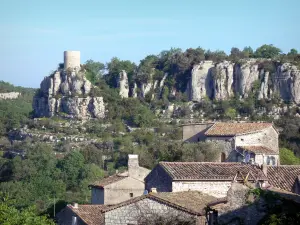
[{"x": 54, "y": 206}]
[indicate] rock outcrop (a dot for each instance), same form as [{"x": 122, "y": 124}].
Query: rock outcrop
[
  {"x": 67, "y": 92},
  {"x": 123, "y": 84},
  {"x": 226, "y": 79},
  {"x": 223, "y": 80},
  {"x": 10, "y": 95},
  {"x": 200, "y": 84}
]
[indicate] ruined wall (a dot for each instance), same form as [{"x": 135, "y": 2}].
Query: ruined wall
[
  {"x": 214, "y": 188},
  {"x": 131, "y": 214}
]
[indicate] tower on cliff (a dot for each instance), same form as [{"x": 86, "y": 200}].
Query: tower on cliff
[{"x": 71, "y": 59}]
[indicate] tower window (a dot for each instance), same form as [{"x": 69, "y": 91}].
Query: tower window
[{"x": 131, "y": 195}]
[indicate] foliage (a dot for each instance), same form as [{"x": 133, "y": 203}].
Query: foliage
[
  {"x": 9, "y": 215},
  {"x": 267, "y": 51},
  {"x": 287, "y": 157},
  {"x": 14, "y": 112},
  {"x": 94, "y": 70}
]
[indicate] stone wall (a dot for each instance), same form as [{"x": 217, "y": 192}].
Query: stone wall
[
  {"x": 68, "y": 217},
  {"x": 267, "y": 159},
  {"x": 195, "y": 132},
  {"x": 214, "y": 188},
  {"x": 10, "y": 95},
  {"x": 267, "y": 137},
  {"x": 146, "y": 208},
  {"x": 120, "y": 191},
  {"x": 159, "y": 179}
]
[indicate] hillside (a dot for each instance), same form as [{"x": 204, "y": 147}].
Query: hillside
[{"x": 81, "y": 124}]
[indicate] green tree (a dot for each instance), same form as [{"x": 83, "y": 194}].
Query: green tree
[
  {"x": 71, "y": 166},
  {"x": 267, "y": 51},
  {"x": 94, "y": 70},
  {"x": 230, "y": 113},
  {"x": 293, "y": 52},
  {"x": 248, "y": 52},
  {"x": 287, "y": 157}
]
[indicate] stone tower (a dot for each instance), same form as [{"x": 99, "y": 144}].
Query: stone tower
[{"x": 71, "y": 59}]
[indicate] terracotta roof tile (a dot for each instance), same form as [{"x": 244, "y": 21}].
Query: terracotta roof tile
[
  {"x": 109, "y": 180},
  {"x": 232, "y": 129},
  {"x": 257, "y": 149},
  {"x": 90, "y": 214},
  {"x": 284, "y": 177},
  {"x": 192, "y": 202},
  {"x": 211, "y": 171}
]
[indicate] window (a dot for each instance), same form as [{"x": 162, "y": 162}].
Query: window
[{"x": 131, "y": 195}]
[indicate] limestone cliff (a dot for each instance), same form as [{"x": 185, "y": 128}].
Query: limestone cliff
[
  {"x": 67, "y": 92},
  {"x": 123, "y": 84},
  {"x": 200, "y": 84},
  {"x": 226, "y": 79},
  {"x": 10, "y": 95}
]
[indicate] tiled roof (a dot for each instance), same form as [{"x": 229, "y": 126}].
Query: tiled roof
[
  {"x": 211, "y": 171},
  {"x": 232, "y": 129},
  {"x": 90, "y": 214},
  {"x": 283, "y": 177},
  {"x": 109, "y": 180},
  {"x": 192, "y": 202},
  {"x": 257, "y": 149}
]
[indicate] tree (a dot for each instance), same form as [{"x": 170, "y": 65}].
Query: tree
[
  {"x": 248, "y": 52},
  {"x": 115, "y": 66},
  {"x": 267, "y": 51},
  {"x": 287, "y": 157},
  {"x": 230, "y": 113},
  {"x": 293, "y": 52},
  {"x": 71, "y": 166},
  {"x": 94, "y": 70}
]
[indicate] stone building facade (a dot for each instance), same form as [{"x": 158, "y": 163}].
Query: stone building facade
[
  {"x": 146, "y": 209},
  {"x": 256, "y": 143},
  {"x": 121, "y": 186},
  {"x": 209, "y": 178}
]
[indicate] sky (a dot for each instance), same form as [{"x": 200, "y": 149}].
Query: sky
[{"x": 35, "y": 33}]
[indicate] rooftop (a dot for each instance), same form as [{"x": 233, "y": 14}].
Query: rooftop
[
  {"x": 285, "y": 177},
  {"x": 225, "y": 171},
  {"x": 257, "y": 149},
  {"x": 232, "y": 129},
  {"x": 109, "y": 180},
  {"x": 90, "y": 214},
  {"x": 192, "y": 202}
]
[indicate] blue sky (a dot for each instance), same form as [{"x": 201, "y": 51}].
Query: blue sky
[{"x": 34, "y": 33}]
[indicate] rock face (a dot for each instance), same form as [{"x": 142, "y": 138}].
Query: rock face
[
  {"x": 67, "y": 92},
  {"x": 10, "y": 95},
  {"x": 123, "y": 84},
  {"x": 226, "y": 79},
  {"x": 200, "y": 84},
  {"x": 223, "y": 80}
]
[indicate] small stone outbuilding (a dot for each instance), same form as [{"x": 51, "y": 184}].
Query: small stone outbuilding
[
  {"x": 211, "y": 178},
  {"x": 121, "y": 186}
]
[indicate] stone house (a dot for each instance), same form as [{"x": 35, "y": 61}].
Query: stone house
[
  {"x": 180, "y": 206},
  {"x": 121, "y": 186},
  {"x": 249, "y": 142},
  {"x": 212, "y": 178}
]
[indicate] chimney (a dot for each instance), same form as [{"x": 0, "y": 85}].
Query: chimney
[
  {"x": 264, "y": 168},
  {"x": 75, "y": 205},
  {"x": 133, "y": 165},
  {"x": 153, "y": 190}
]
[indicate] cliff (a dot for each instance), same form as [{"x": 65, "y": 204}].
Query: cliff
[
  {"x": 68, "y": 92},
  {"x": 223, "y": 80}
]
